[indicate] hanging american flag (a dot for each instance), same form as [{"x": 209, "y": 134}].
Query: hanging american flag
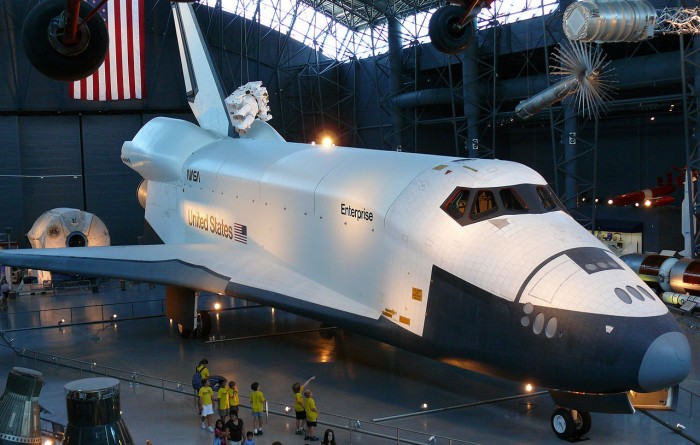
[
  {"x": 121, "y": 76},
  {"x": 240, "y": 233}
]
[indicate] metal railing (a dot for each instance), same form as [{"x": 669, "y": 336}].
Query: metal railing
[
  {"x": 95, "y": 313},
  {"x": 355, "y": 427}
]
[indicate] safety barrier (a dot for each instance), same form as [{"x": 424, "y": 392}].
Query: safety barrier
[{"x": 357, "y": 428}]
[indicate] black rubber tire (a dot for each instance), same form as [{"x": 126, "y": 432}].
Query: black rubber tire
[
  {"x": 203, "y": 324},
  {"x": 54, "y": 63},
  {"x": 562, "y": 423},
  {"x": 444, "y": 36},
  {"x": 183, "y": 331},
  {"x": 584, "y": 423}
]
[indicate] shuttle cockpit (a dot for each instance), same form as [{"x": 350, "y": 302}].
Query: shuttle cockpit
[{"x": 469, "y": 205}]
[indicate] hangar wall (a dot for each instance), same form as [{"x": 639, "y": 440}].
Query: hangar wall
[
  {"x": 47, "y": 133},
  {"x": 61, "y": 152}
]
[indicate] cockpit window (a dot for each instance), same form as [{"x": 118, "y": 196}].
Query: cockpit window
[
  {"x": 484, "y": 203},
  {"x": 456, "y": 204},
  {"x": 548, "y": 202},
  {"x": 512, "y": 201},
  {"x": 487, "y": 203}
]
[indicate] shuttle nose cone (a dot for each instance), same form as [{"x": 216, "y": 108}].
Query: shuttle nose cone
[{"x": 666, "y": 362}]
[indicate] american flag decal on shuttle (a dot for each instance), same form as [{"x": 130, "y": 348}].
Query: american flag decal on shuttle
[{"x": 240, "y": 233}]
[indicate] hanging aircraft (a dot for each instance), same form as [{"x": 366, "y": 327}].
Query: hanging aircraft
[{"x": 474, "y": 262}]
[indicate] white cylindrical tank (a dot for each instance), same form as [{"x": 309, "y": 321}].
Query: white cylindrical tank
[
  {"x": 64, "y": 227},
  {"x": 610, "y": 21}
]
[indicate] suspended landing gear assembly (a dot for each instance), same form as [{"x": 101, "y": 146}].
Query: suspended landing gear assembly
[{"x": 452, "y": 27}]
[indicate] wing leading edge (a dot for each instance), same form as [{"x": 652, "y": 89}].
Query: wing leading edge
[{"x": 196, "y": 266}]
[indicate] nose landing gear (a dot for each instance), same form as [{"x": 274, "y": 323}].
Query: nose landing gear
[{"x": 570, "y": 424}]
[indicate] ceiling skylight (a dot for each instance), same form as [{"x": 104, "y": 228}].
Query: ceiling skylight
[{"x": 337, "y": 41}]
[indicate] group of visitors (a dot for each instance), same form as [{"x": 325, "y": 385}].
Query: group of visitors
[{"x": 228, "y": 428}]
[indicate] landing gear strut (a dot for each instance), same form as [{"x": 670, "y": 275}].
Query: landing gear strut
[{"x": 570, "y": 424}]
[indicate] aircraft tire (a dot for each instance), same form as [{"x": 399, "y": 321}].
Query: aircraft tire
[
  {"x": 563, "y": 424},
  {"x": 183, "y": 331},
  {"x": 203, "y": 324},
  {"x": 445, "y": 37},
  {"x": 47, "y": 53},
  {"x": 584, "y": 423}
]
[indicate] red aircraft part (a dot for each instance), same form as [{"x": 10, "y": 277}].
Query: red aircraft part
[
  {"x": 641, "y": 195},
  {"x": 669, "y": 273},
  {"x": 659, "y": 202}
]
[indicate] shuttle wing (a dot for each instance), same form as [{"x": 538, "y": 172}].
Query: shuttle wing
[{"x": 197, "y": 266}]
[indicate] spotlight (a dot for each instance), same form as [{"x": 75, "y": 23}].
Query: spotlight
[
  {"x": 287, "y": 409},
  {"x": 423, "y": 406},
  {"x": 610, "y": 201},
  {"x": 327, "y": 141},
  {"x": 529, "y": 387},
  {"x": 217, "y": 306},
  {"x": 647, "y": 203},
  {"x": 358, "y": 424},
  {"x": 114, "y": 316},
  {"x": 636, "y": 204},
  {"x": 61, "y": 321},
  {"x": 652, "y": 118},
  {"x": 48, "y": 442}
]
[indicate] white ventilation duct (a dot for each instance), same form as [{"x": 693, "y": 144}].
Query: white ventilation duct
[{"x": 64, "y": 227}]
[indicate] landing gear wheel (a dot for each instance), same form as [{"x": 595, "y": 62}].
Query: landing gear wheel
[
  {"x": 583, "y": 423},
  {"x": 203, "y": 324},
  {"x": 41, "y": 35},
  {"x": 445, "y": 33},
  {"x": 183, "y": 331},
  {"x": 563, "y": 423},
  {"x": 203, "y": 328}
]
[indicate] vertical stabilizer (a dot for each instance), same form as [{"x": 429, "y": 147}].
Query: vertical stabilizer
[{"x": 202, "y": 84}]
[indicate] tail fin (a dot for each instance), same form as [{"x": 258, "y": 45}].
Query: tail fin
[{"x": 204, "y": 91}]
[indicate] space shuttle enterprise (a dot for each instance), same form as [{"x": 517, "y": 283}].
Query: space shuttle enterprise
[{"x": 473, "y": 262}]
